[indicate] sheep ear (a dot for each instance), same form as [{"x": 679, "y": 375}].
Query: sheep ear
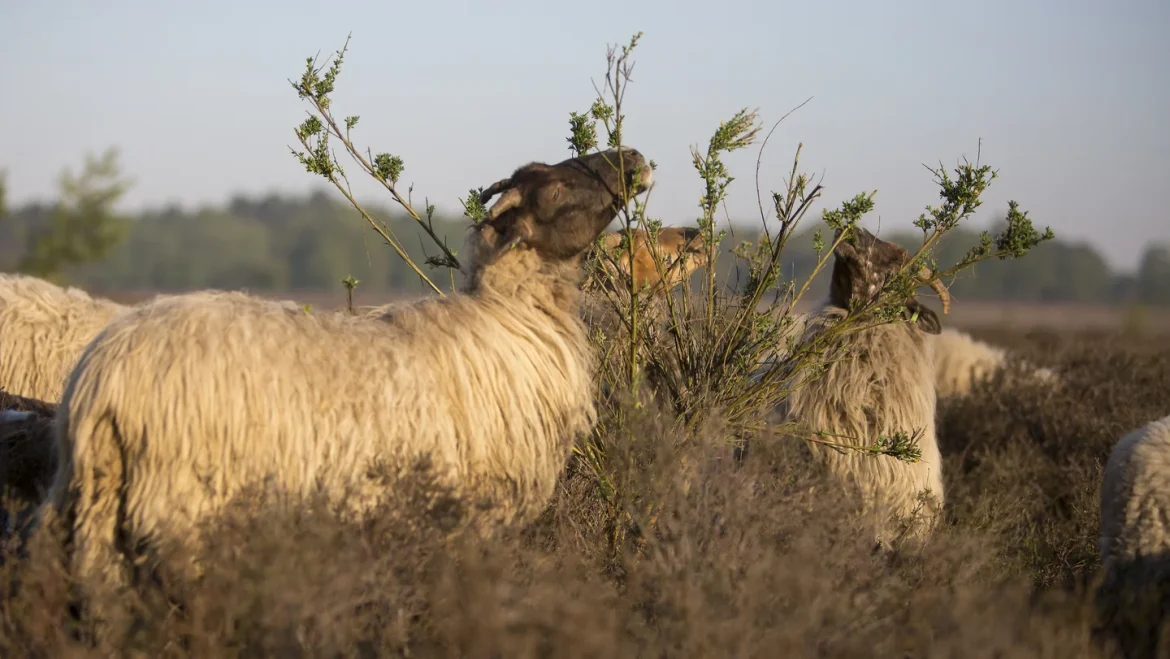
[
  {"x": 927, "y": 320},
  {"x": 845, "y": 250}
]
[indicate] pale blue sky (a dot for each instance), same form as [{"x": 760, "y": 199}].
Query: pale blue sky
[{"x": 1070, "y": 98}]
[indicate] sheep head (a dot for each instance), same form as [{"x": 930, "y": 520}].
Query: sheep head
[
  {"x": 673, "y": 244},
  {"x": 861, "y": 266},
  {"x": 28, "y": 456},
  {"x": 559, "y": 210}
]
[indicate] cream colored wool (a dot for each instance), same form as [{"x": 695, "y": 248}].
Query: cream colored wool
[
  {"x": 185, "y": 401},
  {"x": 182, "y": 404},
  {"x": 1130, "y": 598},
  {"x": 961, "y": 361},
  {"x": 43, "y": 330},
  {"x": 1135, "y": 496},
  {"x": 879, "y": 381}
]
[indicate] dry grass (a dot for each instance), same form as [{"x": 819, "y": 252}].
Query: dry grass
[{"x": 716, "y": 558}]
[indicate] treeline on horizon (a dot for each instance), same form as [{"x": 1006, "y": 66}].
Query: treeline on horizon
[{"x": 276, "y": 243}]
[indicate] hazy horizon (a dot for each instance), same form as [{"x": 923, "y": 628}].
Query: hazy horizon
[{"x": 1070, "y": 104}]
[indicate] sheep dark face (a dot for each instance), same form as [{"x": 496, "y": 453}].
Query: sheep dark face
[
  {"x": 559, "y": 210},
  {"x": 862, "y": 264}
]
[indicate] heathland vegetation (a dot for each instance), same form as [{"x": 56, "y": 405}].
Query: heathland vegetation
[{"x": 692, "y": 519}]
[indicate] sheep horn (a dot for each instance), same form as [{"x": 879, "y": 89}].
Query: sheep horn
[
  {"x": 938, "y": 287},
  {"x": 508, "y": 200},
  {"x": 494, "y": 189}
]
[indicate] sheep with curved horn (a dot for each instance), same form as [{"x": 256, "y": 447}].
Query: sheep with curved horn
[
  {"x": 492, "y": 385},
  {"x": 878, "y": 383}
]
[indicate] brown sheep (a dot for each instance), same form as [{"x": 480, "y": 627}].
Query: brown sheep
[{"x": 683, "y": 250}]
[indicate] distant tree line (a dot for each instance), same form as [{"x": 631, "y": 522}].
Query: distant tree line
[{"x": 279, "y": 243}]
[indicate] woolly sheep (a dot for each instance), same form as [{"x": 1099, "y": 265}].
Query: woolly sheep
[
  {"x": 681, "y": 253},
  {"x": 961, "y": 361},
  {"x": 1135, "y": 539},
  {"x": 878, "y": 381},
  {"x": 179, "y": 405},
  {"x": 681, "y": 249},
  {"x": 43, "y": 329},
  {"x": 1135, "y": 495}
]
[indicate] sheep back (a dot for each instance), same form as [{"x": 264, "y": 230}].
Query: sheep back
[
  {"x": 43, "y": 330},
  {"x": 961, "y": 361}
]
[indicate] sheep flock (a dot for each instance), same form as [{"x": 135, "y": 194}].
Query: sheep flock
[{"x": 129, "y": 428}]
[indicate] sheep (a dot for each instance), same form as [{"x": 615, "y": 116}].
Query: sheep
[
  {"x": 682, "y": 250},
  {"x": 1135, "y": 495},
  {"x": 879, "y": 381},
  {"x": 181, "y": 404},
  {"x": 43, "y": 329},
  {"x": 1134, "y": 539},
  {"x": 961, "y": 361},
  {"x": 27, "y": 455}
]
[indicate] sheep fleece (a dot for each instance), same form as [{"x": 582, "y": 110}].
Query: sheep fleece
[
  {"x": 961, "y": 361},
  {"x": 180, "y": 404},
  {"x": 1135, "y": 495},
  {"x": 43, "y": 330},
  {"x": 878, "y": 381}
]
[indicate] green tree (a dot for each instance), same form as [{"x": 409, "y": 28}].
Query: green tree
[
  {"x": 1153, "y": 278},
  {"x": 3, "y": 196},
  {"x": 82, "y": 226}
]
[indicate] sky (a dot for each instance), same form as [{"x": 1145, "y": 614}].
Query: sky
[{"x": 1070, "y": 98}]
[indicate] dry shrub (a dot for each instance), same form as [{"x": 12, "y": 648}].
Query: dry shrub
[{"x": 1024, "y": 459}]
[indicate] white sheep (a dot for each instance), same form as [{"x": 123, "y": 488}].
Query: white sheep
[
  {"x": 1135, "y": 540},
  {"x": 180, "y": 404},
  {"x": 961, "y": 361},
  {"x": 878, "y": 381},
  {"x": 43, "y": 329},
  {"x": 1135, "y": 495}
]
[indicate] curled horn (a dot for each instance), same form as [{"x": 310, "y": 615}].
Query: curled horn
[
  {"x": 509, "y": 199},
  {"x": 938, "y": 287},
  {"x": 494, "y": 189}
]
